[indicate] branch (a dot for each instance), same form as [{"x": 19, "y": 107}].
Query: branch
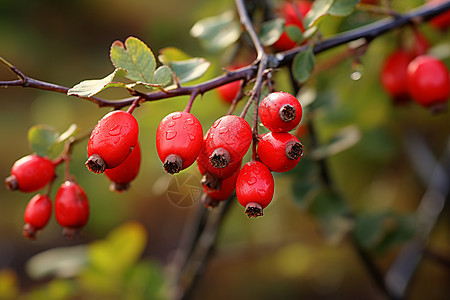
[{"x": 368, "y": 32}]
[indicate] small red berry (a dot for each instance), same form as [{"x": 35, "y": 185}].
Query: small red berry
[
  {"x": 393, "y": 75},
  {"x": 428, "y": 81},
  {"x": 122, "y": 175},
  {"x": 421, "y": 44},
  {"x": 71, "y": 208},
  {"x": 279, "y": 151},
  {"x": 229, "y": 91},
  {"x": 179, "y": 138},
  {"x": 214, "y": 196},
  {"x": 111, "y": 141},
  {"x": 441, "y": 21},
  {"x": 36, "y": 216},
  {"x": 292, "y": 13},
  {"x": 228, "y": 140},
  {"x": 30, "y": 173},
  {"x": 254, "y": 188},
  {"x": 280, "y": 112}
]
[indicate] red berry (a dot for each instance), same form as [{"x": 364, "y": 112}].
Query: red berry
[
  {"x": 71, "y": 208},
  {"x": 254, "y": 188},
  {"x": 122, "y": 175},
  {"x": 229, "y": 91},
  {"x": 30, "y": 173},
  {"x": 421, "y": 44},
  {"x": 441, "y": 21},
  {"x": 428, "y": 81},
  {"x": 37, "y": 214},
  {"x": 393, "y": 75},
  {"x": 179, "y": 138},
  {"x": 214, "y": 196},
  {"x": 290, "y": 13},
  {"x": 280, "y": 112},
  {"x": 111, "y": 141},
  {"x": 279, "y": 151},
  {"x": 228, "y": 140}
]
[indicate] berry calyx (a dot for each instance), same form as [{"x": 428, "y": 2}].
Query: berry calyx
[
  {"x": 71, "y": 208},
  {"x": 111, "y": 141},
  {"x": 30, "y": 173},
  {"x": 254, "y": 188},
  {"x": 393, "y": 75},
  {"x": 280, "y": 112},
  {"x": 122, "y": 175},
  {"x": 36, "y": 216},
  {"x": 212, "y": 197},
  {"x": 179, "y": 139},
  {"x": 279, "y": 151},
  {"x": 292, "y": 13},
  {"x": 428, "y": 82},
  {"x": 227, "y": 140}
]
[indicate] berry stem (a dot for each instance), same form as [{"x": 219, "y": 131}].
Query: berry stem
[{"x": 191, "y": 101}]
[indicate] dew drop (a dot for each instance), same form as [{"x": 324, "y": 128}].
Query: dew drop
[
  {"x": 356, "y": 75},
  {"x": 116, "y": 140},
  {"x": 251, "y": 180},
  {"x": 170, "y": 134},
  {"x": 115, "y": 130},
  {"x": 262, "y": 192},
  {"x": 191, "y": 136},
  {"x": 171, "y": 124},
  {"x": 189, "y": 121},
  {"x": 176, "y": 115},
  {"x": 223, "y": 129},
  {"x": 216, "y": 123},
  {"x": 256, "y": 171}
]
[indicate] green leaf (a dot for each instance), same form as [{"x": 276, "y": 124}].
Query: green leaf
[
  {"x": 271, "y": 31},
  {"x": 303, "y": 65},
  {"x": 294, "y": 33},
  {"x": 135, "y": 57},
  {"x": 70, "y": 132},
  {"x": 188, "y": 70},
  {"x": 162, "y": 76},
  {"x": 42, "y": 138},
  {"x": 319, "y": 9},
  {"x": 120, "y": 250},
  {"x": 342, "y": 8},
  {"x": 89, "y": 88},
  {"x": 218, "y": 32},
  {"x": 169, "y": 54}
]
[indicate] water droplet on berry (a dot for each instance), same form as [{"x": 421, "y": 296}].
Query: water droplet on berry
[
  {"x": 262, "y": 192},
  {"x": 170, "y": 134},
  {"x": 216, "y": 123},
  {"x": 171, "y": 124},
  {"x": 256, "y": 171},
  {"x": 251, "y": 180},
  {"x": 191, "y": 136},
  {"x": 115, "y": 130},
  {"x": 189, "y": 121},
  {"x": 223, "y": 130},
  {"x": 176, "y": 115},
  {"x": 116, "y": 140}
]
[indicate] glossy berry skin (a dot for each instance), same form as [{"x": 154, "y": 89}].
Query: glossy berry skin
[
  {"x": 228, "y": 140},
  {"x": 393, "y": 74},
  {"x": 289, "y": 13},
  {"x": 229, "y": 91},
  {"x": 214, "y": 196},
  {"x": 111, "y": 141},
  {"x": 428, "y": 81},
  {"x": 30, "y": 173},
  {"x": 280, "y": 112},
  {"x": 420, "y": 45},
  {"x": 37, "y": 214},
  {"x": 71, "y": 207},
  {"x": 279, "y": 151},
  {"x": 179, "y": 138},
  {"x": 254, "y": 188},
  {"x": 122, "y": 175}
]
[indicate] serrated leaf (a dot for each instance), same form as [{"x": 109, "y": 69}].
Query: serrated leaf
[
  {"x": 135, "y": 57},
  {"x": 295, "y": 33},
  {"x": 89, "y": 88},
  {"x": 70, "y": 132},
  {"x": 303, "y": 65},
  {"x": 169, "y": 54},
  {"x": 188, "y": 70},
  {"x": 162, "y": 76},
  {"x": 342, "y": 8},
  {"x": 319, "y": 9},
  {"x": 42, "y": 138},
  {"x": 271, "y": 31},
  {"x": 217, "y": 32}
]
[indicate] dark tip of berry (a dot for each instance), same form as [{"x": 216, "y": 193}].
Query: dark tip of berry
[
  {"x": 29, "y": 231},
  {"x": 220, "y": 158},
  {"x": 253, "y": 209},
  {"x": 211, "y": 181},
  {"x": 438, "y": 108},
  {"x": 209, "y": 202},
  {"x": 11, "y": 183},
  {"x": 294, "y": 150},
  {"x": 96, "y": 164},
  {"x": 71, "y": 232},
  {"x": 173, "y": 164},
  {"x": 287, "y": 113},
  {"x": 119, "y": 187}
]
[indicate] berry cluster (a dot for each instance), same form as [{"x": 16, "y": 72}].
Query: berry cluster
[{"x": 414, "y": 74}]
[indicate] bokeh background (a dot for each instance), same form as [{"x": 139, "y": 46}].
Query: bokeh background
[{"x": 283, "y": 255}]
